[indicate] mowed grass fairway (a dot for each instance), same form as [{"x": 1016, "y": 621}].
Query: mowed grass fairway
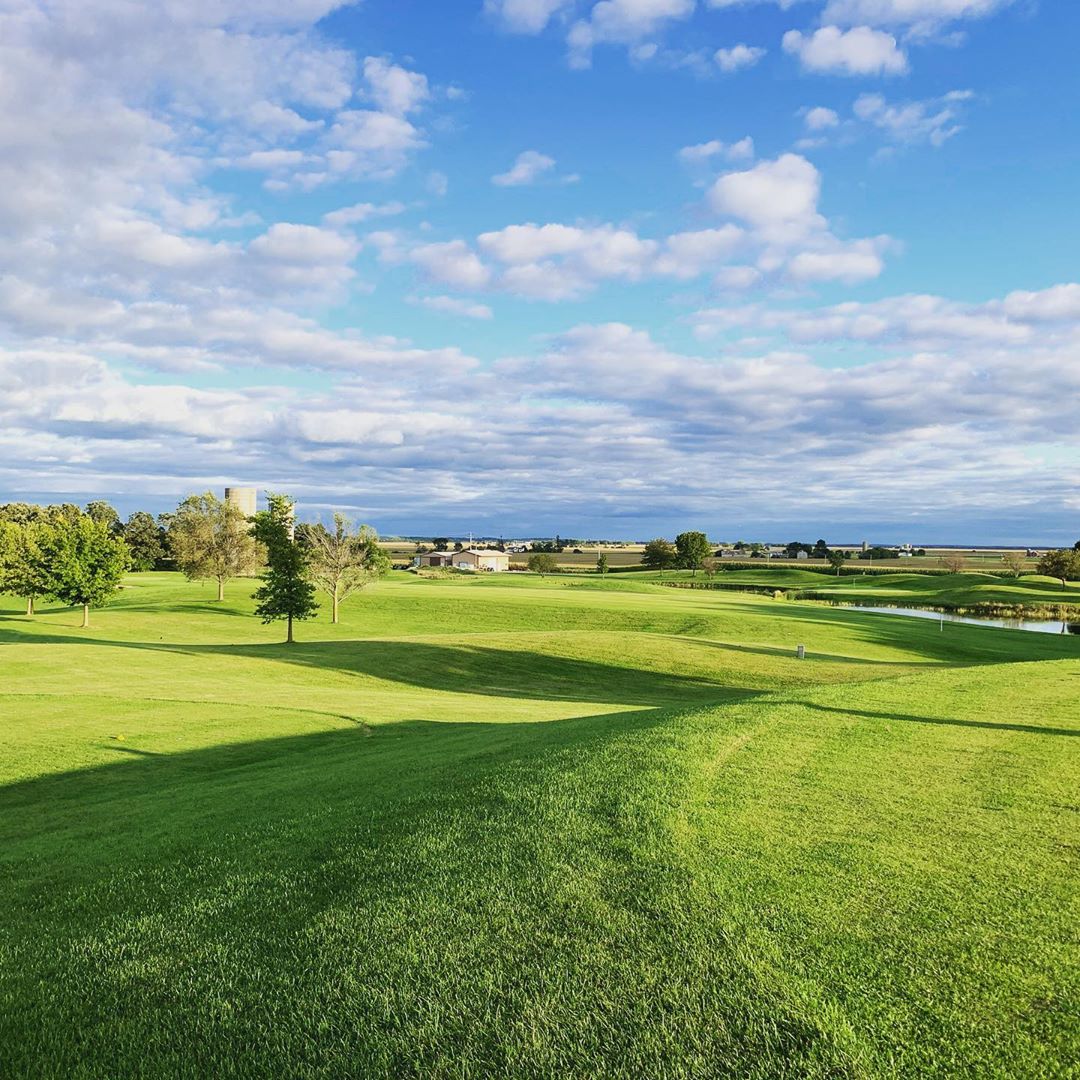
[{"x": 536, "y": 828}]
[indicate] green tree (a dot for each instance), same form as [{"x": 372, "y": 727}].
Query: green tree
[
  {"x": 143, "y": 538},
  {"x": 104, "y": 513},
  {"x": 211, "y": 539},
  {"x": 836, "y": 560},
  {"x": 692, "y": 549},
  {"x": 87, "y": 563},
  {"x": 1015, "y": 562},
  {"x": 542, "y": 562},
  {"x": 28, "y": 564},
  {"x": 1063, "y": 564},
  {"x": 286, "y": 592},
  {"x": 659, "y": 554},
  {"x": 601, "y": 563},
  {"x": 710, "y": 566},
  {"x": 820, "y": 550},
  {"x": 342, "y": 561}
]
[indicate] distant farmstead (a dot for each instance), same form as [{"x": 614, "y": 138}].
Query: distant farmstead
[{"x": 488, "y": 559}]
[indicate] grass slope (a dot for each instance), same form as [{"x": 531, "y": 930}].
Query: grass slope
[{"x": 534, "y": 829}]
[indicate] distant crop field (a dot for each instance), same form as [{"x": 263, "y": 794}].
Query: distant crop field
[{"x": 511, "y": 826}]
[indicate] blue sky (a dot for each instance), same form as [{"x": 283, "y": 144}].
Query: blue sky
[{"x": 617, "y": 268}]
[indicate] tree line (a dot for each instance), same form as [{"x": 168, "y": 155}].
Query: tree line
[{"x": 79, "y": 557}]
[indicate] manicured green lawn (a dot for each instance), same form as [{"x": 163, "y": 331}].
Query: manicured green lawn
[{"x": 522, "y": 827}]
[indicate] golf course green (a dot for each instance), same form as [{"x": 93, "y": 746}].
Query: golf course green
[{"x": 536, "y": 827}]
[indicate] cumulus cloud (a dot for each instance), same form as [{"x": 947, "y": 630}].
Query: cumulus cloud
[
  {"x": 859, "y": 51},
  {"x": 772, "y": 192},
  {"x": 454, "y": 305},
  {"x": 623, "y": 22},
  {"x": 394, "y": 89},
  {"x": 525, "y": 16},
  {"x": 935, "y": 120},
  {"x": 820, "y": 118},
  {"x": 529, "y": 167},
  {"x": 702, "y": 152},
  {"x": 920, "y": 17},
  {"x": 737, "y": 57}
]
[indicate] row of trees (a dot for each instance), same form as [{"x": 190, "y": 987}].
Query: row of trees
[
  {"x": 60, "y": 552},
  {"x": 79, "y": 557},
  {"x": 213, "y": 540}
]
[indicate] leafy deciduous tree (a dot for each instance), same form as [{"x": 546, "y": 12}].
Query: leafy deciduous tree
[
  {"x": 343, "y": 561},
  {"x": 659, "y": 554},
  {"x": 1063, "y": 565},
  {"x": 143, "y": 538},
  {"x": 601, "y": 563},
  {"x": 28, "y": 569},
  {"x": 87, "y": 563},
  {"x": 211, "y": 539},
  {"x": 1015, "y": 562},
  {"x": 692, "y": 549},
  {"x": 104, "y": 513},
  {"x": 542, "y": 562},
  {"x": 836, "y": 560}
]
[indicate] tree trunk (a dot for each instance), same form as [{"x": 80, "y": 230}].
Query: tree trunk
[
  {"x": 289, "y": 637},
  {"x": 29, "y": 605},
  {"x": 334, "y": 596},
  {"x": 221, "y": 588},
  {"x": 85, "y": 616}
]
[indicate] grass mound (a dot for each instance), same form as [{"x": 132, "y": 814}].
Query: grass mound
[{"x": 617, "y": 832}]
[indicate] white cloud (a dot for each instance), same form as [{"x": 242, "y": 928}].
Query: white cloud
[
  {"x": 859, "y": 51},
  {"x": 360, "y": 212},
  {"x": 525, "y": 16},
  {"x": 935, "y": 120},
  {"x": 454, "y": 305},
  {"x": 528, "y": 167},
  {"x": 363, "y": 143},
  {"x": 820, "y": 119},
  {"x": 452, "y": 263},
  {"x": 737, "y": 151},
  {"x": 784, "y": 190},
  {"x": 920, "y": 16},
  {"x": 737, "y": 57},
  {"x": 394, "y": 89},
  {"x": 859, "y": 261},
  {"x": 306, "y": 244},
  {"x": 623, "y": 22},
  {"x": 688, "y": 254}
]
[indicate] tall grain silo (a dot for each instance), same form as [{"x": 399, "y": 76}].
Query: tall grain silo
[{"x": 244, "y": 498}]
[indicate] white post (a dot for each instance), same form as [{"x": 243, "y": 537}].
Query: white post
[{"x": 800, "y": 652}]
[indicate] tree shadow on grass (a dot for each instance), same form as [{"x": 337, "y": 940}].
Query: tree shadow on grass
[
  {"x": 990, "y": 725},
  {"x": 392, "y": 905},
  {"x": 462, "y": 668}
]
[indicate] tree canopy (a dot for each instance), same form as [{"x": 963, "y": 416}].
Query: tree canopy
[
  {"x": 87, "y": 562},
  {"x": 542, "y": 562},
  {"x": 212, "y": 539},
  {"x": 286, "y": 592},
  {"x": 1063, "y": 564},
  {"x": 659, "y": 554},
  {"x": 143, "y": 538},
  {"x": 343, "y": 560},
  {"x": 692, "y": 549}
]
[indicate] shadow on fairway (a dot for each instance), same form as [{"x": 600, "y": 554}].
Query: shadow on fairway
[
  {"x": 990, "y": 725},
  {"x": 461, "y": 668}
]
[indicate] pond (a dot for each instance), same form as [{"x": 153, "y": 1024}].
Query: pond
[{"x": 1040, "y": 626}]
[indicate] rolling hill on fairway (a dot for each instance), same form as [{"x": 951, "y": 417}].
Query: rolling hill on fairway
[{"x": 540, "y": 828}]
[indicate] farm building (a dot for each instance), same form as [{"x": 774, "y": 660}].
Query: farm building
[{"x": 469, "y": 559}]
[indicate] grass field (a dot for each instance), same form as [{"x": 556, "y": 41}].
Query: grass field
[
  {"x": 535, "y": 827},
  {"x": 912, "y": 590}
]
